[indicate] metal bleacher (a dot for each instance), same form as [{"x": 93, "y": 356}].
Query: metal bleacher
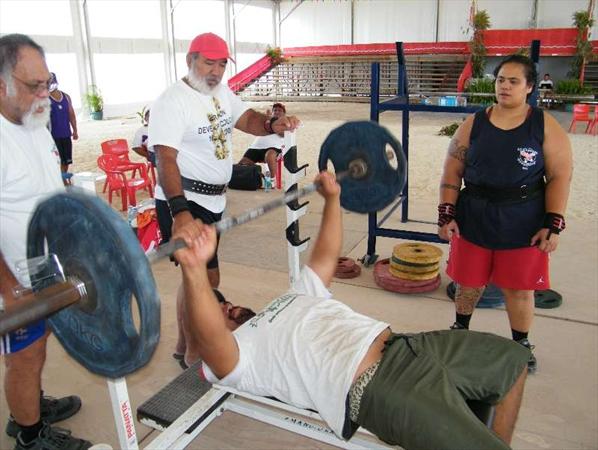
[
  {"x": 591, "y": 75},
  {"x": 347, "y": 78}
]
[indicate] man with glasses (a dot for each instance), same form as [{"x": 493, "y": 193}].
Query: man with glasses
[{"x": 29, "y": 170}]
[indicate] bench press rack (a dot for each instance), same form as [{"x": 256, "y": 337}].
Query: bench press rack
[
  {"x": 401, "y": 103},
  {"x": 213, "y": 400}
]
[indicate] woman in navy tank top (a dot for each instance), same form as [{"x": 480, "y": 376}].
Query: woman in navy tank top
[
  {"x": 63, "y": 126},
  {"x": 503, "y": 193}
]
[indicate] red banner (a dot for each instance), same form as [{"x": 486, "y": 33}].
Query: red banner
[{"x": 553, "y": 41}]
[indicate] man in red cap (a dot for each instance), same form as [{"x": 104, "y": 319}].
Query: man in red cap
[{"x": 191, "y": 134}]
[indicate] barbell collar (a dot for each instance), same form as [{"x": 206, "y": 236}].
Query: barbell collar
[{"x": 41, "y": 304}]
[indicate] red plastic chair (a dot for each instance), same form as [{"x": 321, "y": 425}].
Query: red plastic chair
[
  {"x": 117, "y": 181},
  {"x": 581, "y": 113},
  {"x": 593, "y": 127},
  {"x": 120, "y": 149}
]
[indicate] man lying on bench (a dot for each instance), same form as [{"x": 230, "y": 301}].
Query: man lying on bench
[{"x": 313, "y": 352}]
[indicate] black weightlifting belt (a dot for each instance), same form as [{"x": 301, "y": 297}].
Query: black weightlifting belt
[
  {"x": 199, "y": 187},
  {"x": 494, "y": 194}
]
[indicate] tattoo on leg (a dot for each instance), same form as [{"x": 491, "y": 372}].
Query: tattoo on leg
[
  {"x": 467, "y": 298},
  {"x": 454, "y": 187},
  {"x": 456, "y": 150}
]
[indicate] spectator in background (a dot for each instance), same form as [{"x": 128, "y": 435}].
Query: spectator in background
[
  {"x": 265, "y": 149},
  {"x": 546, "y": 83},
  {"x": 63, "y": 126},
  {"x": 140, "y": 140},
  {"x": 545, "y": 88}
]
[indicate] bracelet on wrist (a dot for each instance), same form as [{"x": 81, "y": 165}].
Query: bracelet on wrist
[
  {"x": 268, "y": 125},
  {"x": 446, "y": 213},
  {"x": 178, "y": 204},
  {"x": 554, "y": 222}
]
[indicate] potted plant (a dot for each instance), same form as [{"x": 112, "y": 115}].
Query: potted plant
[
  {"x": 571, "y": 87},
  {"x": 481, "y": 86},
  {"x": 479, "y": 23},
  {"x": 94, "y": 102},
  {"x": 583, "y": 48},
  {"x": 275, "y": 55}
]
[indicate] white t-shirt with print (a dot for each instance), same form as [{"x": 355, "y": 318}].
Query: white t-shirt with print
[
  {"x": 200, "y": 127},
  {"x": 303, "y": 349},
  {"x": 269, "y": 141},
  {"x": 29, "y": 172}
]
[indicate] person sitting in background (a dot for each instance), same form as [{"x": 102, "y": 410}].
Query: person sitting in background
[
  {"x": 546, "y": 83},
  {"x": 63, "y": 126},
  {"x": 265, "y": 149},
  {"x": 140, "y": 140},
  {"x": 545, "y": 88}
]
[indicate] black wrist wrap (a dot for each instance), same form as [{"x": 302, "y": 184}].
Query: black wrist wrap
[
  {"x": 177, "y": 204},
  {"x": 554, "y": 222},
  {"x": 446, "y": 213}
]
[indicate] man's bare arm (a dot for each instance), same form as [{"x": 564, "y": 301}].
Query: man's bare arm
[
  {"x": 252, "y": 122},
  {"x": 324, "y": 256},
  {"x": 72, "y": 118},
  {"x": 210, "y": 336}
]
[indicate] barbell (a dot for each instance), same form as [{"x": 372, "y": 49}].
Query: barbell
[{"x": 107, "y": 272}]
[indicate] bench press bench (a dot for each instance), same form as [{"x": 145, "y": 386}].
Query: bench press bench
[{"x": 187, "y": 405}]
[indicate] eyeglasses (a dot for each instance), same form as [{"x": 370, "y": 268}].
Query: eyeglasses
[{"x": 36, "y": 88}]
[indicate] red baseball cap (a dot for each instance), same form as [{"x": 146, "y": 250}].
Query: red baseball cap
[{"x": 210, "y": 46}]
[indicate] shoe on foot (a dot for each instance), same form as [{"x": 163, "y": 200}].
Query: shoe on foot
[
  {"x": 52, "y": 410},
  {"x": 457, "y": 326},
  {"x": 532, "y": 362},
  {"x": 53, "y": 438}
]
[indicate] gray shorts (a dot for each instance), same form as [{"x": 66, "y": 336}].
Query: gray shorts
[{"x": 417, "y": 397}]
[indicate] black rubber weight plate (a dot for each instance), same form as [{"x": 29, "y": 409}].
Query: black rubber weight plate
[
  {"x": 96, "y": 245},
  {"x": 548, "y": 299}
]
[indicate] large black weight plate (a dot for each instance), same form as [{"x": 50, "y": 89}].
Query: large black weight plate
[
  {"x": 368, "y": 141},
  {"x": 547, "y": 299},
  {"x": 96, "y": 245}
]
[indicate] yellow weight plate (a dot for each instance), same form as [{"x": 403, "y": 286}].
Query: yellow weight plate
[
  {"x": 413, "y": 276},
  {"x": 417, "y": 252},
  {"x": 413, "y": 268}
]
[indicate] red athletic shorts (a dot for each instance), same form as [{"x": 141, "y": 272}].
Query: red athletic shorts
[{"x": 523, "y": 268}]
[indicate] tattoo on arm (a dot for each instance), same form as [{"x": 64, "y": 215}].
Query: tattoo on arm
[
  {"x": 454, "y": 187},
  {"x": 457, "y": 150}
]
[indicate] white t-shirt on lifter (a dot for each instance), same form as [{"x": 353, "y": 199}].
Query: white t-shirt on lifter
[
  {"x": 29, "y": 172},
  {"x": 304, "y": 349},
  {"x": 200, "y": 127},
  {"x": 269, "y": 141}
]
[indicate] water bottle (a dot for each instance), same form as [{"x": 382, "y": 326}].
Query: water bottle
[
  {"x": 267, "y": 181},
  {"x": 132, "y": 216}
]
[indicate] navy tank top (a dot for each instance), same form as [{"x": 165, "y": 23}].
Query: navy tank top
[
  {"x": 59, "y": 118},
  {"x": 503, "y": 159}
]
